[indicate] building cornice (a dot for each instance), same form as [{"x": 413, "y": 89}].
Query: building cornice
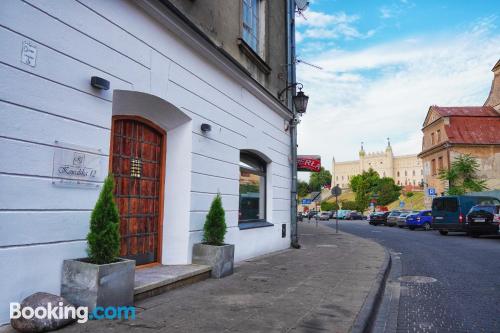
[
  {"x": 168, "y": 15},
  {"x": 448, "y": 144}
]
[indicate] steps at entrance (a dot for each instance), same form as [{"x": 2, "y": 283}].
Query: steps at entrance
[{"x": 152, "y": 281}]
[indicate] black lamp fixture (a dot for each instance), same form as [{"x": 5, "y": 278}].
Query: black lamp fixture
[
  {"x": 99, "y": 83},
  {"x": 206, "y": 127},
  {"x": 299, "y": 100}
]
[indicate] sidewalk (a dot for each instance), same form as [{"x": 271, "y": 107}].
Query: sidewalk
[{"x": 320, "y": 287}]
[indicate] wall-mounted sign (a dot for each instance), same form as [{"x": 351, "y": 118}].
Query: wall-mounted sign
[
  {"x": 77, "y": 166},
  {"x": 306, "y": 201},
  {"x": 310, "y": 163},
  {"x": 28, "y": 54},
  {"x": 431, "y": 191}
]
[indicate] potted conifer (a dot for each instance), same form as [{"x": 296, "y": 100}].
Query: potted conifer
[
  {"x": 101, "y": 279},
  {"x": 213, "y": 252}
]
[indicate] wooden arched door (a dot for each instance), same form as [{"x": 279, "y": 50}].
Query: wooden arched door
[{"x": 137, "y": 163}]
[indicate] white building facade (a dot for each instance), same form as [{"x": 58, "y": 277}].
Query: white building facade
[{"x": 57, "y": 133}]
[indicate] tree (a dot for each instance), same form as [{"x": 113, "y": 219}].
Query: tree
[
  {"x": 215, "y": 228},
  {"x": 328, "y": 206},
  {"x": 386, "y": 191},
  {"x": 364, "y": 185},
  {"x": 349, "y": 205},
  {"x": 319, "y": 179},
  {"x": 462, "y": 176},
  {"x": 104, "y": 235},
  {"x": 302, "y": 188}
]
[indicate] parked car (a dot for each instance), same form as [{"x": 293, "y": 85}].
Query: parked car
[
  {"x": 422, "y": 219},
  {"x": 379, "y": 218},
  {"x": 342, "y": 213},
  {"x": 311, "y": 214},
  {"x": 484, "y": 220},
  {"x": 324, "y": 216},
  {"x": 449, "y": 212},
  {"x": 402, "y": 218},
  {"x": 392, "y": 218},
  {"x": 353, "y": 216}
]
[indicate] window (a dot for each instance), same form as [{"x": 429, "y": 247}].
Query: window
[
  {"x": 337, "y": 178},
  {"x": 439, "y": 135},
  {"x": 251, "y": 24},
  {"x": 252, "y": 188},
  {"x": 398, "y": 173},
  {"x": 433, "y": 167},
  {"x": 383, "y": 174},
  {"x": 440, "y": 163},
  {"x": 432, "y": 138},
  {"x": 413, "y": 172},
  {"x": 406, "y": 173}
]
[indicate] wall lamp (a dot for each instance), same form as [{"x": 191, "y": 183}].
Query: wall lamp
[
  {"x": 299, "y": 100},
  {"x": 99, "y": 83},
  {"x": 206, "y": 127}
]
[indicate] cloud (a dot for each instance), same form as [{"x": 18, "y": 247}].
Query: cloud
[
  {"x": 385, "y": 90},
  {"x": 319, "y": 25},
  {"x": 395, "y": 9}
]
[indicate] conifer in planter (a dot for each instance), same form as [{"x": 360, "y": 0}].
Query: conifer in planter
[
  {"x": 101, "y": 279},
  {"x": 213, "y": 251}
]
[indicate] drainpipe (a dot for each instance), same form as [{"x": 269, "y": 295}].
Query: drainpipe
[{"x": 293, "y": 123}]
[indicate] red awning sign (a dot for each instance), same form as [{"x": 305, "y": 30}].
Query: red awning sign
[{"x": 310, "y": 163}]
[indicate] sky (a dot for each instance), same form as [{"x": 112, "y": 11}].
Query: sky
[{"x": 384, "y": 62}]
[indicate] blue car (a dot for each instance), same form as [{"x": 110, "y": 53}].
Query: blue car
[{"x": 422, "y": 219}]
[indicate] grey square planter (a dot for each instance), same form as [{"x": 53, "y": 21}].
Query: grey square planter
[
  {"x": 91, "y": 285},
  {"x": 220, "y": 258}
]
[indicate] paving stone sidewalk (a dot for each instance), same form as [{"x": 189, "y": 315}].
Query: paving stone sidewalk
[{"x": 319, "y": 288}]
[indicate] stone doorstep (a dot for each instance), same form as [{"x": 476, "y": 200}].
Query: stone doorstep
[{"x": 156, "y": 280}]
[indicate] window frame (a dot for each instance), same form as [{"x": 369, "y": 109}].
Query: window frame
[
  {"x": 253, "y": 158},
  {"x": 253, "y": 33}
]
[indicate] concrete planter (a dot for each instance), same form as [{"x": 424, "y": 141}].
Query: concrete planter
[
  {"x": 91, "y": 285},
  {"x": 220, "y": 258}
]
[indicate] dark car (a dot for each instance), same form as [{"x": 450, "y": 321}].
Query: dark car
[
  {"x": 448, "y": 212},
  {"x": 422, "y": 219},
  {"x": 379, "y": 218},
  {"x": 353, "y": 216},
  {"x": 483, "y": 220}
]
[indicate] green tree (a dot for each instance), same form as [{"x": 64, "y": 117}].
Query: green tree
[
  {"x": 319, "y": 179},
  {"x": 386, "y": 191},
  {"x": 328, "y": 206},
  {"x": 349, "y": 205},
  {"x": 364, "y": 185},
  {"x": 462, "y": 176},
  {"x": 215, "y": 228},
  {"x": 104, "y": 235},
  {"x": 302, "y": 188}
]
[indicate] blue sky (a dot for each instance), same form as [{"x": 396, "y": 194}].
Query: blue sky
[{"x": 384, "y": 63}]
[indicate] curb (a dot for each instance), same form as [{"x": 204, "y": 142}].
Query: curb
[{"x": 366, "y": 316}]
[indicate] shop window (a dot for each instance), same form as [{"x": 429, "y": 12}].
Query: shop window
[{"x": 252, "y": 188}]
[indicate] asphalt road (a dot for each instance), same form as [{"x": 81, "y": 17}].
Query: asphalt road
[{"x": 437, "y": 283}]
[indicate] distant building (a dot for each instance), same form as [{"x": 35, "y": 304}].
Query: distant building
[
  {"x": 452, "y": 131},
  {"x": 406, "y": 170}
]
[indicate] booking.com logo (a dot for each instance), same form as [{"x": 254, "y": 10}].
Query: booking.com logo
[{"x": 80, "y": 314}]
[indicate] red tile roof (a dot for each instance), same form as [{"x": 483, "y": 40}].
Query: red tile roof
[
  {"x": 467, "y": 111},
  {"x": 474, "y": 130}
]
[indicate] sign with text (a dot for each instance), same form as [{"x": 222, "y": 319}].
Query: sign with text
[
  {"x": 77, "y": 166},
  {"x": 311, "y": 163},
  {"x": 306, "y": 201}
]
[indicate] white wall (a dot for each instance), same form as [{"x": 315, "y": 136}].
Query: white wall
[{"x": 41, "y": 224}]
